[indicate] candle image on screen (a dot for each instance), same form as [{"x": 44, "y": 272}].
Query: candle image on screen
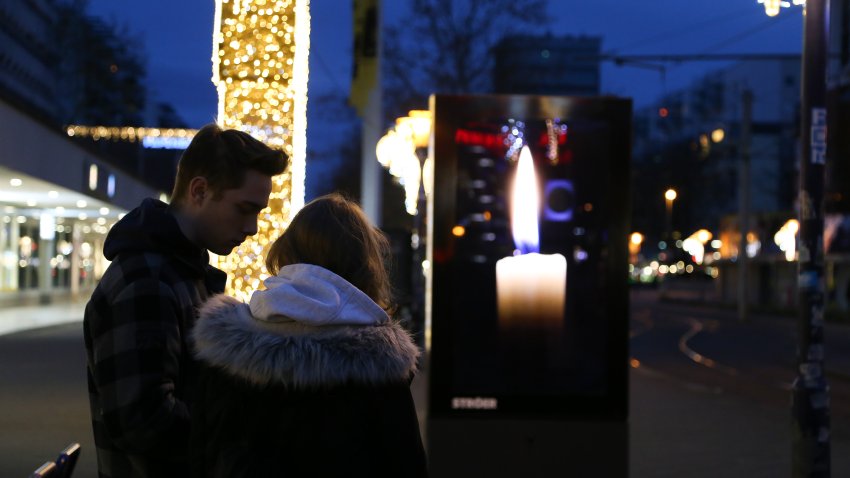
[{"x": 531, "y": 288}]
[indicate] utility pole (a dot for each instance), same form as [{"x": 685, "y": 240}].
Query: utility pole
[
  {"x": 810, "y": 394},
  {"x": 744, "y": 205},
  {"x": 367, "y": 100}
]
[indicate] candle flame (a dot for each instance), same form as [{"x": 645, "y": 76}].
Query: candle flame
[{"x": 525, "y": 205}]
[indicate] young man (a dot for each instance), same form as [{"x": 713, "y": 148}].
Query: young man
[{"x": 137, "y": 323}]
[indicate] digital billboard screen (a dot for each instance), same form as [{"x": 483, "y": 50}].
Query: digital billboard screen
[{"x": 529, "y": 256}]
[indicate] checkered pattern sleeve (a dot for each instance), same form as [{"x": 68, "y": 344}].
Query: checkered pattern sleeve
[{"x": 137, "y": 359}]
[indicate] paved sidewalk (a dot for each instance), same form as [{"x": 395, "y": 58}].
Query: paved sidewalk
[
  {"x": 15, "y": 319},
  {"x": 676, "y": 429}
]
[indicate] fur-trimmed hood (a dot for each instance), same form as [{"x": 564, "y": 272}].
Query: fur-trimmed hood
[{"x": 298, "y": 354}]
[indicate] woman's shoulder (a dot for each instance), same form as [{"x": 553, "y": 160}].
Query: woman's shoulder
[{"x": 300, "y": 356}]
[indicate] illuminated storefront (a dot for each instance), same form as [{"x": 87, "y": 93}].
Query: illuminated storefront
[{"x": 51, "y": 238}]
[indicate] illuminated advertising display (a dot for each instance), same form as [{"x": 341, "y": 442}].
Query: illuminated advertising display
[
  {"x": 528, "y": 248},
  {"x": 528, "y": 252}
]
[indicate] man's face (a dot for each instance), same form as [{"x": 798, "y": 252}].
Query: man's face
[{"x": 225, "y": 222}]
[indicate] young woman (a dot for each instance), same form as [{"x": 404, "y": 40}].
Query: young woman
[{"x": 312, "y": 377}]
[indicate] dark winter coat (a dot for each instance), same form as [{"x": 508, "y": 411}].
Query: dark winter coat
[
  {"x": 288, "y": 396},
  {"x": 140, "y": 368}
]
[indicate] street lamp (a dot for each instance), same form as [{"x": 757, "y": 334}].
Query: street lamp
[
  {"x": 635, "y": 240},
  {"x": 670, "y": 196},
  {"x": 398, "y": 150},
  {"x": 771, "y": 7},
  {"x": 403, "y": 151},
  {"x": 718, "y": 135},
  {"x": 418, "y": 124}
]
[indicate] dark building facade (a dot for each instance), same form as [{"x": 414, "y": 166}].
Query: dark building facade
[
  {"x": 58, "y": 195},
  {"x": 547, "y": 65},
  {"x": 27, "y": 54},
  {"x": 692, "y": 140}
]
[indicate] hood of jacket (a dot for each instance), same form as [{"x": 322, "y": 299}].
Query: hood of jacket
[
  {"x": 314, "y": 295},
  {"x": 152, "y": 228},
  {"x": 301, "y": 354}
]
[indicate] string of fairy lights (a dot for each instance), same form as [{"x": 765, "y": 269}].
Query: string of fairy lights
[
  {"x": 260, "y": 53},
  {"x": 127, "y": 133},
  {"x": 158, "y": 138}
]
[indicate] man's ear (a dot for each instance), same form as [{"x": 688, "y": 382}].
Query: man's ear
[{"x": 198, "y": 190}]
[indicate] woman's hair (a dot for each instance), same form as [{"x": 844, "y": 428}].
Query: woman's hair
[
  {"x": 222, "y": 156},
  {"x": 334, "y": 233}
]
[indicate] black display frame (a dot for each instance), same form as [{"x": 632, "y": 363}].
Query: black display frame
[{"x": 450, "y": 112}]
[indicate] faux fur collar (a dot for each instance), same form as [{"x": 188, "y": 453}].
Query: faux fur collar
[{"x": 299, "y": 355}]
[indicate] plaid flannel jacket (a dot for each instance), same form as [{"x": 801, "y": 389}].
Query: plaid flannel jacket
[{"x": 140, "y": 369}]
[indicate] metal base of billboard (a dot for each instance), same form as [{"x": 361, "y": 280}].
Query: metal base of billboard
[{"x": 527, "y": 448}]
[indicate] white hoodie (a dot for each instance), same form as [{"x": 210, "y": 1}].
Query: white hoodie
[{"x": 315, "y": 296}]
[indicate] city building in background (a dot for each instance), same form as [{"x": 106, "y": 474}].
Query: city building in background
[
  {"x": 27, "y": 54},
  {"x": 733, "y": 132},
  {"x": 59, "y": 195},
  {"x": 547, "y": 65},
  {"x": 696, "y": 142},
  {"x": 692, "y": 141}
]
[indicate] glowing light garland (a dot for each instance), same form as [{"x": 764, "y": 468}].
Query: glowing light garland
[
  {"x": 130, "y": 133},
  {"x": 260, "y": 53}
]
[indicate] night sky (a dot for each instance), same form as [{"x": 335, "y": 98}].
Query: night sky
[
  {"x": 177, "y": 38},
  {"x": 178, "y": 41}
]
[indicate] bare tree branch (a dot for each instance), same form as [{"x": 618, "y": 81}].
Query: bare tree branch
[{"x": 445, "y": 45}]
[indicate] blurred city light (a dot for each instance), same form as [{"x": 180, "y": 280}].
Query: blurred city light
[
  {"x": 636, "y": 238},
  {"x": 786, "y": 239},
  {"x": 772, "y": 7},
  {"x": 753, "y": 244},
  {"x": 718, "y": 135},
  {"x": 390, "y": 147},
  {"x": 396, "y": 151},
  {"x": 635, "y": 241},
  {"x": 695, "y": 244},
  {"x": 156, "y": 138},
  {"x": 418, "y": 125}
]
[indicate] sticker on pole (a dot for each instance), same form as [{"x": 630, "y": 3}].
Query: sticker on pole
[{"x": 818, "y": 140}]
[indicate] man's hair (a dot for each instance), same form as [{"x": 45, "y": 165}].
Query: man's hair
[
  {"x": 333, "y": 232},
  {"x": 223, "y": 157}
]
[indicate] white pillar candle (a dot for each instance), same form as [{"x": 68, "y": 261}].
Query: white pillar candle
[
  {"x": 531, "y": 288},
  {"x": 531, "y": 291}
]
